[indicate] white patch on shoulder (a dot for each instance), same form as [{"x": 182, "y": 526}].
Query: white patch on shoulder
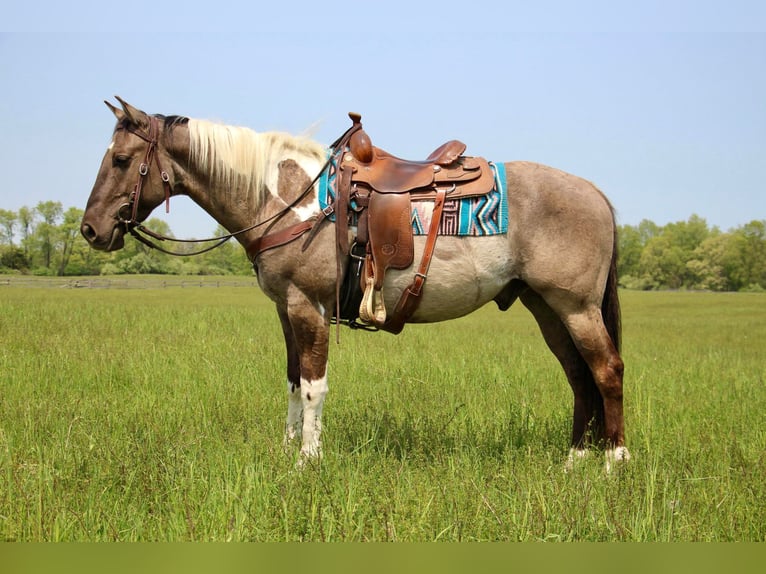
[
  {"x": 311, "y": 167},
  {"x": 305, "y": 213}
]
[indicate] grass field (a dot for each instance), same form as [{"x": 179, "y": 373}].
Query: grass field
[{"x": 157, "y": 414}]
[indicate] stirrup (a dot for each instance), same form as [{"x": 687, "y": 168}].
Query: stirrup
[{"x": 372, "y": 310}]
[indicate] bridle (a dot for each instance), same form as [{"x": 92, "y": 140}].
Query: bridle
[
  {"x": 134, "y": 199},
  {"x": 133, "y": 224}
]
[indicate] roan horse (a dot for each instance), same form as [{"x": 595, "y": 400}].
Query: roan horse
[{"x": 558, "y": 256}]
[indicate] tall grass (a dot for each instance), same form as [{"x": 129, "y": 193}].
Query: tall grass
[{"x": 156, "y": 414}]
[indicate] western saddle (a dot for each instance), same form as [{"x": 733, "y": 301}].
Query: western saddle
[
  {"x": 378, "y": 188},
  {"x": 382, "y": 187}
]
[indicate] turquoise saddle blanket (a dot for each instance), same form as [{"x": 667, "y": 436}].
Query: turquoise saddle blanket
[{"x": 470, "y": 216}]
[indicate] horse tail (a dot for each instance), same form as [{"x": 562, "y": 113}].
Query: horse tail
[{"x": 610, "y": 304}]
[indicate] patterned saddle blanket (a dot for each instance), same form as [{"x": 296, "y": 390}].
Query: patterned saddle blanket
[{"x": 469, "y": 216}]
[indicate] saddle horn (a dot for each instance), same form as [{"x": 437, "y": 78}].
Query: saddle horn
[{"x": 359, "y": 143}]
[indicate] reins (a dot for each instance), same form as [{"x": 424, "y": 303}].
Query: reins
[{"x": 135, "y": 227}]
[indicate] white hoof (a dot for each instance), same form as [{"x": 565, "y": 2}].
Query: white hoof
[
  {"x": 288, "y": 439},
  {"x": 616, "y": 455},
  {"x": 308, "y": 458},
  {"x": 575, "y": 455}
]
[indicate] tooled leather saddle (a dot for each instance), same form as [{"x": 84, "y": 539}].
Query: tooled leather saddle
[{"x": 381, "y": 187}]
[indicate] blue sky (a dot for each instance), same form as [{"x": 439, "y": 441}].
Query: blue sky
[{"x": 661, "y": 104}]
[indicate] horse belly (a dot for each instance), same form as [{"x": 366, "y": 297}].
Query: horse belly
[{"x": 465, "y": 273}]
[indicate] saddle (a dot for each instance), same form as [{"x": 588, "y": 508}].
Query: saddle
[{"x": 380, "y": 188}]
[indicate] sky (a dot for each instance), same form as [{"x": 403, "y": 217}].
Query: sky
[{"x": 661, "y": 104}]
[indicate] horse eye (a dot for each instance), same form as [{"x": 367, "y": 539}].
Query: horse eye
[{"x": 120, "y": 160}]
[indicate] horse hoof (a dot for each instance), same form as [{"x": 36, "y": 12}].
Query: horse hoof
[
  {"x": 575, "y": 455},
  {"x": 615, "y": 456},
  {"x": 308, "y": 458}
]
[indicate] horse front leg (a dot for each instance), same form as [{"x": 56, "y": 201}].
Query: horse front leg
[{"x": 307, "y": 338}]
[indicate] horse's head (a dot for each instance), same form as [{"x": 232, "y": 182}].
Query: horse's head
[{"x": 131, "y": 181}]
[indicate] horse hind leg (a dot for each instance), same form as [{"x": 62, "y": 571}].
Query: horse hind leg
[
  {"x": 588, "y": 411},
  {"x": 588, "y": 417},
  {"x": 592, "y": 340}
]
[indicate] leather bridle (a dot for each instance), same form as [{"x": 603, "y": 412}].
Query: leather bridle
[
  {"x": 132, "y": 223},
  {"x": 152, "y": 138}
]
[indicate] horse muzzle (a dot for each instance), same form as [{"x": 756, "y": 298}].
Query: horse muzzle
[{"x": 104, "y": 242}]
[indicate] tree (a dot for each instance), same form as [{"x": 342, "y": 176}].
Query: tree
[
  {"x": 632, "y": 241},
  {"x": 66, "y": 237},
  {"x": 647, "y": 230},
  {"x": 50, "y": 212},
  {"x": 227, "y": 259},
  {"x": 746, "y": 257},
  {"x": 629, "y": 250},
  {"x": 663, "y": 263},
  {"x": 707, "y": 267},
  {"x": 8, "y": 220},
  {"x": 12, "y": 257},
  {"x": 135, "y": 257},
  {"x": 26, "y": 223},
  {"x": 665, "y": 256}
]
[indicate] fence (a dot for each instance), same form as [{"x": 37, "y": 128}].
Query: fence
[{"x": 126, "y": 282}]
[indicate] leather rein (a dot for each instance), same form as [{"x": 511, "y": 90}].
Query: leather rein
[{"x": 135, "y": 227}]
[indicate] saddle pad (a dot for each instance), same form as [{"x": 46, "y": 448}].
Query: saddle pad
[{"x": 471, "y": 216}]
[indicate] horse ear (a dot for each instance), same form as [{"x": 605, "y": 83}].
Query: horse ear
[
  {"x": 118, "y": 113},
  {"x": 134, "y": 115}
]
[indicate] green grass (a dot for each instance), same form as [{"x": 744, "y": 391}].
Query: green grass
[{"x": 157, "y": 414}]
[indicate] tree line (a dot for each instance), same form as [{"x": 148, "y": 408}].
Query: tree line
[
  {"x": 46, "y": 240},
  {"x": 691, "y": 255}
]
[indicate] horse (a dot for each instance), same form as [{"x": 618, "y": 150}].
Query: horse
[{"x": 558, "y": 256}]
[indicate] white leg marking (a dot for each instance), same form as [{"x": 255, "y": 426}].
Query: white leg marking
[
  {"x": 312, "y": 397},
  {"x": 294, "y": 413},
  {"x": 616, "y": 455}
]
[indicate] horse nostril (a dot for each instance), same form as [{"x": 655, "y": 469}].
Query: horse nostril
[{"x": 88, "y": 232}]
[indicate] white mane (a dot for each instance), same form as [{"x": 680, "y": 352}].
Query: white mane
[{"x": 240, "y": 158}]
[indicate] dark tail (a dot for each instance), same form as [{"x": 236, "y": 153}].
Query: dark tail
[{"x": 610, "y": 305}]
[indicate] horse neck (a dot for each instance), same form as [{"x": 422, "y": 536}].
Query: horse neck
[{"x": 234, "y": 174}]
